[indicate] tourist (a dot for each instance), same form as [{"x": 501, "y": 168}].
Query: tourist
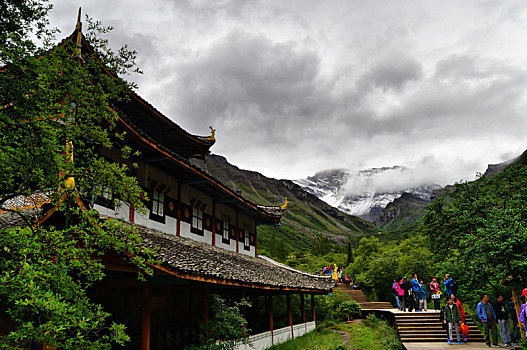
[
  {"x": 488, "y": 318},
  {"x": 352, "y": 283},
  {"x": 443, "y": 321},
  {"x": 461, "y": 311},
  {"x": 408, "y": 299},
  {"x": 347, "y": 280},
  {"x": 452, "y": 318},
  {"x": 436, "y": 293},
  {"x": 423, "y": 295},
  {"x": 339, "y": 274},
  {"x": 503, "y": 320},
  {"x": 396, "y": 288},
  {"x": 522, "y": 317},
  {"x": 448, "y": 285},
  {"x": 415, "y": 292},
  {"x": 516, "y": 330},
  {"x": 400, "y": 296}
]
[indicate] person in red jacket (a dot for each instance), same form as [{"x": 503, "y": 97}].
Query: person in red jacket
[{"x": 461, "y": 311}]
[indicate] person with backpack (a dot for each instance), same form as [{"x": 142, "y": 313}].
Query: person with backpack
[
  {"x": 423, "y": 296},
  {"x": 452, "y": 318},
  {"x": 503, "y": 320},
  {"x": 522, "y": 317},
  {"x": 396, "y": 287},
  {"x": 415, "y": 292},
  {"x": 408, "y": 297},
  {"x": 436, "y": 293},
  {"x": 450, "y": 285},
  {"x": 488, "y": 317}
]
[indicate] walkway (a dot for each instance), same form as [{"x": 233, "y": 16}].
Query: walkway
[{"x": 417, "y": 330}]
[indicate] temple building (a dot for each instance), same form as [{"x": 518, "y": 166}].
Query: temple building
[{"x": 205, "y": 235}]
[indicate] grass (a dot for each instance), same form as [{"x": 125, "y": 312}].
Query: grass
[
  {"x": 373, "y": 334},
  {"x": 320, "y": 339}
]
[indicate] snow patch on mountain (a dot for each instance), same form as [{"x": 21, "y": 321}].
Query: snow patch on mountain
[{"x": 365, "y": 192}]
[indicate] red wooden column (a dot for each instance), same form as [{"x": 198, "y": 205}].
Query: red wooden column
[
  {"x": 213, "y": 222},
  {"x": 303, "y": 311},
  {"x": 270, "y": 315},
  {"x": 131, "y": 215},
  {"x": 237, "y": 234},
  {"x": 205, "y": 311},
  {"x": 178, "y": 219},
  {"x": 289, "y": 314},
  {"x": 313, "y": 308},
  {"x": 145, "y": 322}
]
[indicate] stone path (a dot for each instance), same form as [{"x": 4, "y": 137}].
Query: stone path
[{"x": 445, "y": 345}]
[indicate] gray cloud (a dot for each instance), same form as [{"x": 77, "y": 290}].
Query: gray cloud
[{"x": 294, "y": 88}]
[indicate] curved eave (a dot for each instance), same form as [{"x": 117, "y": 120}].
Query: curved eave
[
  {"x": 232, "y": 283},
  {"x": 132, "y": 132}
]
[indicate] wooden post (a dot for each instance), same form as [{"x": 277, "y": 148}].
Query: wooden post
[
  {"x": 255, "y": 242},
  {"x": 303, "y": 311},
  {"x": 517, "y": 306},
  {"x": 270, "y": 315},
  {"x": 131, "y": 216},
  {"x": 178, "y": 219},
  {"x": 145, "y": 323},
  {"x": 313, "y": 308},
  {"x": 237, "y": 234},
  {"x": 289, "y": 314},
  {"x": 205, "y": 311},
  {"x": 213, "y": 222}
]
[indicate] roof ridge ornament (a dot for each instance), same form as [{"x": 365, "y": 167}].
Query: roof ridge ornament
[{"x": 212, "y": 133}]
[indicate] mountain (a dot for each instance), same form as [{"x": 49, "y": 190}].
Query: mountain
[
  {"x": 306, "y": 218},
  {"x": 364, "y": 193}
]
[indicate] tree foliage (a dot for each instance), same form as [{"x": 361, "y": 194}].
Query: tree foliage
[
  {"x": 55, "y": 120},
  {"x": 480, "y": 229}
]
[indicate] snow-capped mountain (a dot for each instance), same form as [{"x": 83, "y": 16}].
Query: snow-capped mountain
[{"x": 366, "y": 192}]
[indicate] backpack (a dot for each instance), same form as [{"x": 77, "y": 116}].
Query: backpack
[{"x": 453, "y": 286}]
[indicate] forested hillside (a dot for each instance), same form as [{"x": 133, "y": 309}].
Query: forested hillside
[{"x": 306, "y": 219}]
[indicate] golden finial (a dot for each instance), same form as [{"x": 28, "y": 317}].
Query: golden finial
[
  {"x": 283, "y": 206},
  {"x": 212, "y": 133}
]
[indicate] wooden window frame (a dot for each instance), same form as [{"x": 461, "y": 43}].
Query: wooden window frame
[
  {"x": 226, "y": 232},
  {"x": 196, "y": 225},
  {"x": 158, "y": 213}
]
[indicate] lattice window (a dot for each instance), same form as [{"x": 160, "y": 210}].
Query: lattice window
[
  {"x": 158, "y": 204},
  {"x": 225, "y": 234},
  {"x": 197, "y": 221},
  {"x": 246, "y": 240}
]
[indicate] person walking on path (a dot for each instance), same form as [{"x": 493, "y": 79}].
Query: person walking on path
[
  {"x": 448, "y": 285},
  {"x": 452, "y": 318},
  {"x": 461, "y": 311},
  {"x": 488, "y": 318},
  {"x": 400, "y": 296},
  {"x": 423, "y": 295},
  {"x": 415, "y": 292},
  {"x": 443, "y": 322},
  {"x": 436, "y": 293},
  {"x": 396, "y": 287},
  {"x": 522, "y": 317},
  {"x": 347, "y": 280},
  {"x": 407, "y": 288},
  {"x": 503, "y": 320},
  {"x": 516, "y": 331}
]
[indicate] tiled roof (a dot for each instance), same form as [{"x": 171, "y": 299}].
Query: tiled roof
[{"x": 200, "y": 260}]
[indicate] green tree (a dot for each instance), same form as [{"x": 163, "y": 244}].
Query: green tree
[
  {"x": 480, "y": 229},
  {"x": 55, "y": 105},
  {"x": 349, "y": 252}
]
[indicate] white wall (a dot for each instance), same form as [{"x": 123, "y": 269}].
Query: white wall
[{"x": 264, "y": 340}]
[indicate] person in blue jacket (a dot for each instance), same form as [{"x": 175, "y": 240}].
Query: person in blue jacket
[
  {"x": 488, "y": 317},
  {"x": 448, "y": 284},
  {"x": 423, "y": 296},
  {"x": 415, "y": 290}
]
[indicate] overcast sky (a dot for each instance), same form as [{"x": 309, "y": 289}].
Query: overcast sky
[{"x": 295, "y": 87}]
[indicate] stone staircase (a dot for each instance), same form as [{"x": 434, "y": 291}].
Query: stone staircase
[
  {"x": 362, "y": 299},
  {"x": 425, "y": 327}
]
